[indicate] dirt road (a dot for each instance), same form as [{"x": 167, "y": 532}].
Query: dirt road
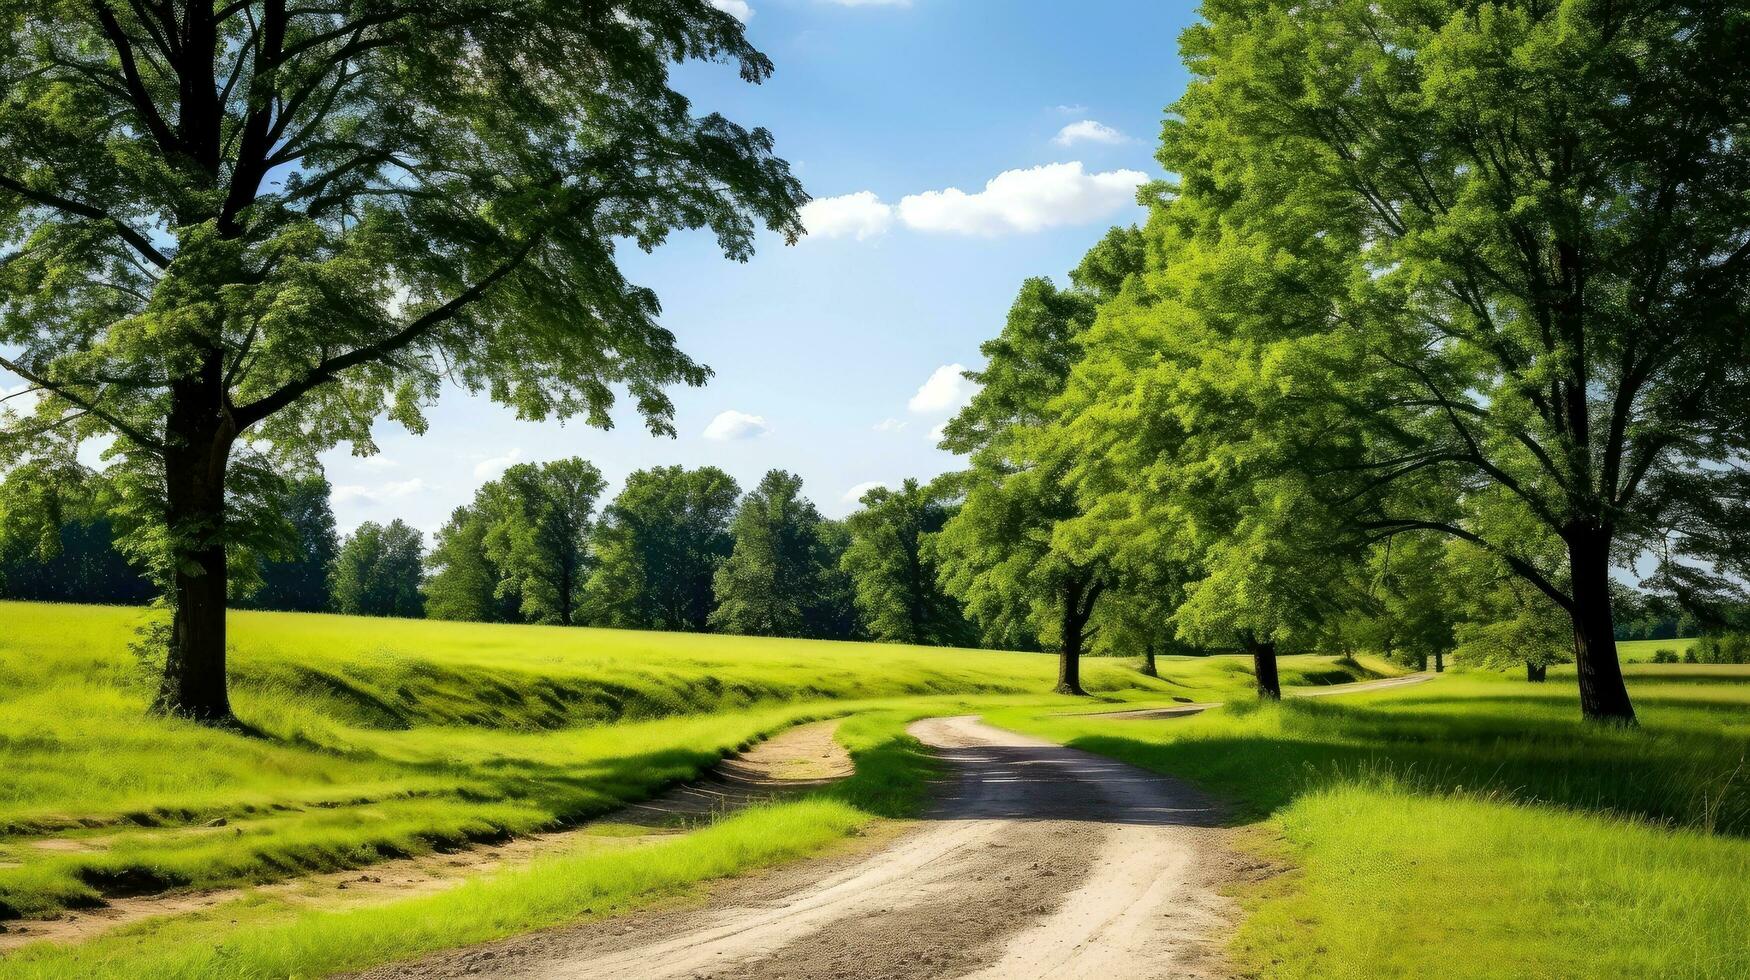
[{"x": 1035, "y": 861}]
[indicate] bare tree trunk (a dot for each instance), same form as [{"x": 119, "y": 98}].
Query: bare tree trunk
[
  {"x": 1148, "y": 660},
  {"x": 1535, "y": 673},
  {"x": 200, "y": 437},
  {"x": 1264, "y": 669},
  {"x": 1439, "y": 662},
  {"x": 1603, "y": 695}
]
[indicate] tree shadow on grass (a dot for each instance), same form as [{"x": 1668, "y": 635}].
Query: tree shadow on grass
[{"x": 1670, "y": 776}]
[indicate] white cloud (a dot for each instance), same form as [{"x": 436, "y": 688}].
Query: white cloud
[
  {"x": 937, "y": 432},
  {"x": 1088, "y": 131},
  {"x": 378, "y": 494},
  {"x": 731, "y": 425},
  {"x": 735, "y": 8},
  {"x": 860, "y": 215},
  {"x": 377, "y": 462},
  {"x": 488, "y": 469},
  {"x": 945, "y": 390},
  {"x": 855, "y": 494},
  {"x": 1070, "y": 110},
  {"x": 1024, "y": 201},
  {"x": 889, "y": 425}
]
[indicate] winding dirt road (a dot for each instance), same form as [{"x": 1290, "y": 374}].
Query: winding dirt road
[{"x": 1035, "y": 861}]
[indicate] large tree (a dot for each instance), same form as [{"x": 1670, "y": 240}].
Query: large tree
[
  {"x": 773, "y": 583},
  {"x": 538, "y": 519},
  {"x": 378, "y": 570},
  {"x": 1520, "y": 238},
  {"x": 658, "y": 546},
  {"x": 267, "y": 222},
  {"x": 1002, "y": 554},
  {"x": 893, "y": 568}
]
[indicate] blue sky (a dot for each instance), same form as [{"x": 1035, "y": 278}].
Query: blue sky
[{"x": 882, "y": 108}]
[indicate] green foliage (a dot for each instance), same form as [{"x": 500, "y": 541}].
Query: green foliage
[
  {"x": 1002, "y": 554},
  {"x": 893, "y": 568},
  {"x": 537, "y": 522},
  {"x": 299, "y": 583},
  {"x": 1471, "y": 248},
  {"x": 1733, "y": 648},
  {"x": 266, "y": 225},
  {"x": 658, "y": 546},
  {"x": 377, "y": 572},
  {"x": 462, "y": 582},
  {"x": 775, "y": 582}
]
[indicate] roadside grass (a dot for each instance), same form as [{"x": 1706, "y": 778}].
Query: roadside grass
[
  {"x": 1473, "y": 825},
  {"x": 260, "y": 936}
]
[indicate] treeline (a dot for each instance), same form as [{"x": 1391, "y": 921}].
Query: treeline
[{"x": 677, "y": 549}]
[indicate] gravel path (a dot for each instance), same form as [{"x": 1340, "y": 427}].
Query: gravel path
[{"x": 1035, "y": 861}]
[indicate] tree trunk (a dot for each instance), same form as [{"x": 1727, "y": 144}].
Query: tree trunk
[
  {"x": 200, "y": 438},
  {"x": 1439, "y": 662},
  {"x": 1069, "y": 657},
  {"x": 1535, "y": 673},
  {"x": 1148, "y": 661},
  {"x": 1603, "y": 695},
  {"x": 1264, "y": 669}
]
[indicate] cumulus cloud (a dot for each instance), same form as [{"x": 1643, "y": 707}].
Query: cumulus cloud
[
  {"x": 945, "y": 390},
  {"x": 1024, "y": 201},
  {"x": 1088, "y": 131},
  {"x": 855, "y": 494},
  {"x": 938, "y": 432},
  {"x": 488, "y": 469},
  {"x": 732, "y": 425},
  {"x": 860, "y": 215},
  {"x": 380, "y": 493},
  {"x": 889, "y": 425},
  {"x": 735, "y": 8}
]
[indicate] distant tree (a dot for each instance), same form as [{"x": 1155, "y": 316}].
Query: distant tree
[
  {"x": 657, "y": 549},
  {"x": 1504, "y": 620},
  {"x": 1408, "y": 602},
  {"x": 1002, "y": 554},
  {"x": 537, "y": 528},
  {"x": 833, "y": 614},
  {"x": 300, "y": 582},
  {"x": 377, "y": 572},
  {"x": 462, "y": 581},
  {"x": 773, "y": 578},
  {"x": 893, "y": 568},
  {"x": 268, "y": 223},
  {"x": 56, "y": 545}
]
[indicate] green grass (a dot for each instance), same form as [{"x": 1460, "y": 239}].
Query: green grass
[
  {"x": 271, "y": 937},
  {"x": 1473, "y": 825},
  {"x": 389, "y": 738},
  {"x": 1643, "y": 650},
  {"x": 1470, "y": 825}
]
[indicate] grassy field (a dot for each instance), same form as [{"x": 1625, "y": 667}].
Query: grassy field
[
  {"x": 378, "y": 739},
  {"x": 1473, "y": 826},
  {"x": 1472, "y": 816}
]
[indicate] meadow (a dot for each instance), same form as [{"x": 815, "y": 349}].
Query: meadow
[{"x": 1473, "y": 815}]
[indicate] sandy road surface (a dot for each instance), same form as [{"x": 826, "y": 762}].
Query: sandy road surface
[{"x": 1035, "y": 861}]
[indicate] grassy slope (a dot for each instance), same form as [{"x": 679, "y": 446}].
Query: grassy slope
[
  {"x": 383, "y": 738},
  {"x": 1474, "y": 826}
]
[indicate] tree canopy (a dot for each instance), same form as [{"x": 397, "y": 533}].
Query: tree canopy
[
  {"x": 377, "y": 572},
  {"x": 773, "y": 583},
  {"x": 658, "y": 546},
  {"x": 893, "y": 568},
  {"x": 278, "y": 222}
]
